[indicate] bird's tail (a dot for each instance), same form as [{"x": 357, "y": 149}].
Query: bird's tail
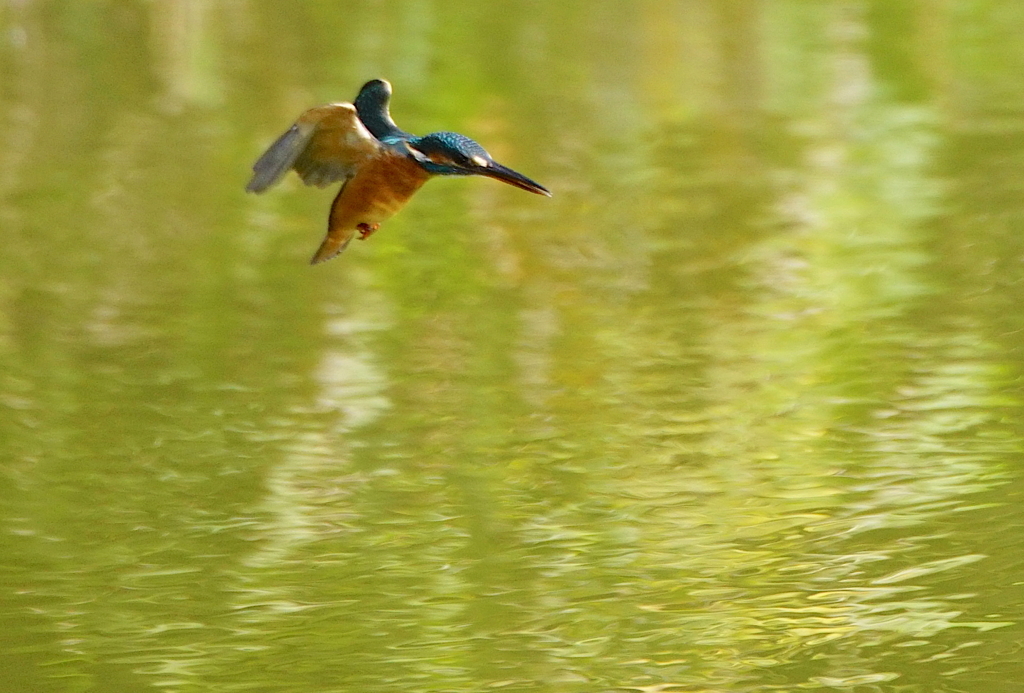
[{"x": 334, "y": 242}]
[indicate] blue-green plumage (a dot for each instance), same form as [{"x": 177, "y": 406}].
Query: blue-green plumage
[
  {"x": 449, "y": 154},
  {"x": 373, "y": 106},
  {"x": 439, "y": 153},
  {"x": 453, "y": 152}
]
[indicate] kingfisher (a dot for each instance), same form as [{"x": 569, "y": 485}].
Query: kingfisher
[{"x": 380, "y": 166}]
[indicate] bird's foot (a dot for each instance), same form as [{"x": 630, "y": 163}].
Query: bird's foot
[{"x": 366, "y": 230}]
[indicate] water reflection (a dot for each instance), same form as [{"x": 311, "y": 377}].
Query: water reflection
[{"x": 737, "y": 410}]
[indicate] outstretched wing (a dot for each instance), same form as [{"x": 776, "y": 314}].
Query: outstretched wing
[{"x": 326, "y": 144}]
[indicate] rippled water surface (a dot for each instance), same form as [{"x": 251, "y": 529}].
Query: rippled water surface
[{"x": 738, "y": 409}]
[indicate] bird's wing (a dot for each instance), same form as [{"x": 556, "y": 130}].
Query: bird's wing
[{"x": 326, "y": 144}]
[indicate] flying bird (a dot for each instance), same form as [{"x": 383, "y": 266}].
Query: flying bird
[{"x": 379, "y": 165}]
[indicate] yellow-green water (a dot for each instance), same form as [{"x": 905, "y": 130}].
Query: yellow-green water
[{"x": 738, "y": 409}]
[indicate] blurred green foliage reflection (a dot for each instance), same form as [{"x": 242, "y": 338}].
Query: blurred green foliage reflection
[{"x": 738, "y": 409}]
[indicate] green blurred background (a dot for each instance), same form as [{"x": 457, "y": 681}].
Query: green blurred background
[{"x": 738, "y": 409}]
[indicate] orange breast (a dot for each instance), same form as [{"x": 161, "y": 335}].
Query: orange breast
[{"x": 381, "y": 187}]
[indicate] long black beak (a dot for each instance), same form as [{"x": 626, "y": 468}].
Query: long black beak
[{"x": 496, "y": 171}]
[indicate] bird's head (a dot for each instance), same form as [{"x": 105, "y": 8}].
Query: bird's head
[{"x": 452, "y": 154}]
